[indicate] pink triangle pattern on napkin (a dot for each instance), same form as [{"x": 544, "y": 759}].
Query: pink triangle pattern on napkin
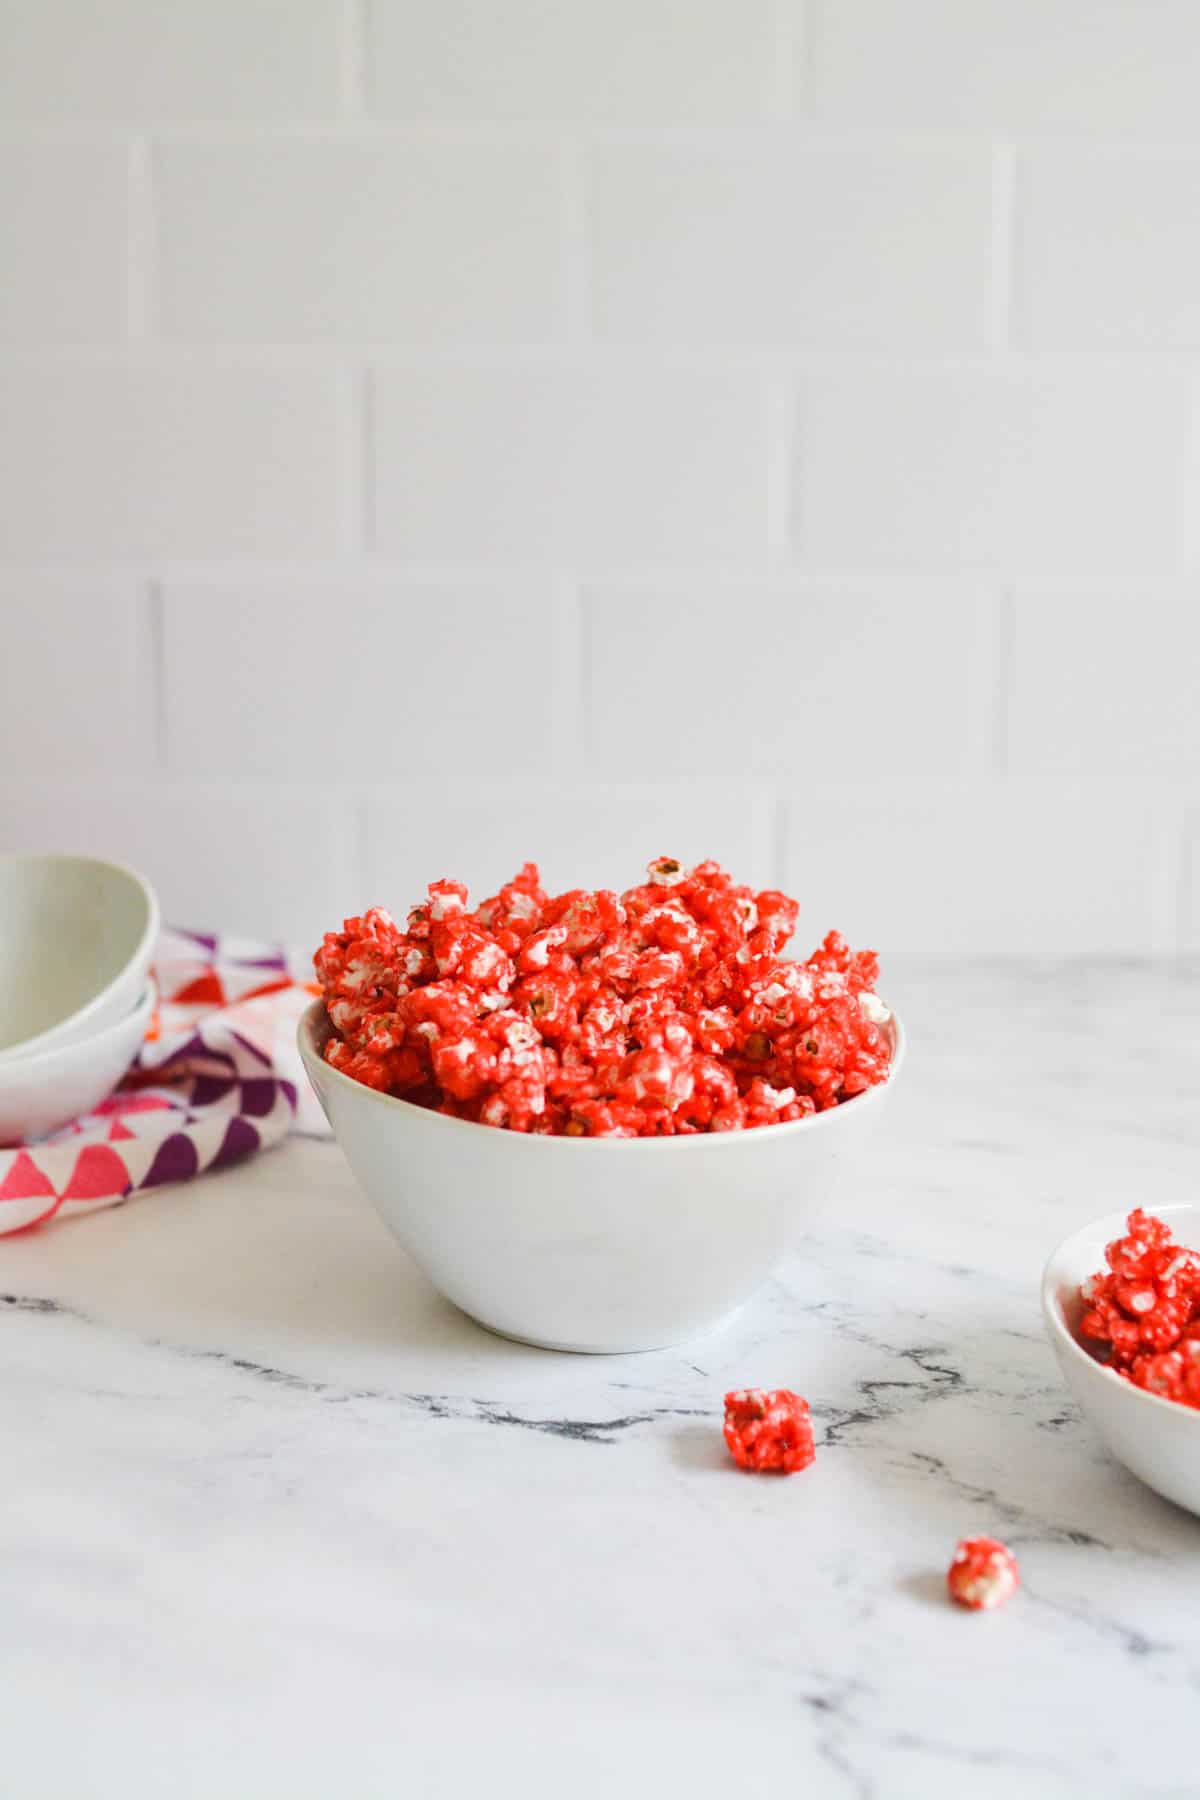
[{"x": 218, "y": 1078}]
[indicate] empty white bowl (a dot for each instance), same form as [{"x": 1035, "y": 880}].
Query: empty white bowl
[
  {"x": 40, "y": 1093},
  {"x": 588, "y": 1244},
  {"x": 76, "y": 938},
  {"x": 1157, "y": 1439}
]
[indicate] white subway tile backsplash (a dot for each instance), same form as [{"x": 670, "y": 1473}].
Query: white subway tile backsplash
[
  {"x": 546, "y": 464},
  {"x": 628, "y": 61},
  {"x": 812, "y": 682},
  {"x": 772, "y": 243},
  {"x": 591, "y": 834},
  {"x": 168, "y": 59},
  {"x": 1189, "y": 912},
  {"x": 1105, "y": 682},
  {"x": 268, "y": 860},
  {"x": 296, "y": 239},
  {"x": 358, "y": 681},
  {"x": 64, "y": 227},
  {"x": 1048, "y": 868},
  {"x": 1107, "y": 254},
  {"x": 75, "y": 680},
  {"x": 1033, "y": 468},
  {"x": 167, "y": 460},
  {"x": 440, "y": 434},
  {"x": 1006, "y": 65}
]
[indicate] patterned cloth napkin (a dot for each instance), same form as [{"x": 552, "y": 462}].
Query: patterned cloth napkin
[{"x": 218, "y": 1078}]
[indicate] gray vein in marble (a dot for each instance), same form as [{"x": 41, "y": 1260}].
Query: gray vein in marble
[
  {"x": 843, "y": 1711},
  {"x": 433, "y": 1406},
  {"x": 31, "y": 1303}
]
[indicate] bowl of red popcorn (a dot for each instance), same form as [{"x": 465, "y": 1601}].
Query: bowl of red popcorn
[
  {"x": 1121, "y": 1300},
  {"x": 597, "y": 1120}
]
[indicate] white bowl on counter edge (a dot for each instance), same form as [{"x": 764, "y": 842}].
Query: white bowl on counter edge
[
  {"x": 76, "y": 938},
  {"x": 600, "y": 1245},
  {"x": 38, "y": 1094},
  {"x": 1157, "y": 1439}
]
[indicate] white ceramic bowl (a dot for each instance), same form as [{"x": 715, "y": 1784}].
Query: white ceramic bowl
[
  {"x": 40, "y": 1093},
  {"x": 76, "y": 938},
  {"x": 1158, "y": 1439},
  {"x": 578, "y": 1244}
]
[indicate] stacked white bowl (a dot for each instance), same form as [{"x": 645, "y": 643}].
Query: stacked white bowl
[{"x": 76, "y": 995}]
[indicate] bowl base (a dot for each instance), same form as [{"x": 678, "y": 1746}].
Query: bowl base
[{"x": 641, "y": 1348}]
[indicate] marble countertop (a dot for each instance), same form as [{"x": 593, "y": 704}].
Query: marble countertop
[{"x": 276, "y": 1520}]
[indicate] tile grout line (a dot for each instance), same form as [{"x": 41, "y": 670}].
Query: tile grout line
[
  {"x": 570, "y": 710},
  {"x": 789, "y": 58},
  {"x": 360, "y": 840},
  {"x": 357, "y": 405},
  {"x": 576, "y": 271},
  {"x": 1003, "y": 646},
  {"x": 155, "y": 617},
  {"x": 694, "y": 358},
  {"x": 778, "y": 827},
  {"x": 1176, "y": 885},
  {"x": 1188, "y": 530},
  {"x": 780, "y": 402},
  {"x": 353, "y": 36},
  {"x": 1002, "y": 248},
  {"x": 142, "y": 242},
  {"x": 341, "y": 123}
]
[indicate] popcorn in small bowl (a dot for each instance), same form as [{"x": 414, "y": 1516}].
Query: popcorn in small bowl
[
  {"x": 1124, "y": 1338},
  {"x": 1144, "y": 1310}
]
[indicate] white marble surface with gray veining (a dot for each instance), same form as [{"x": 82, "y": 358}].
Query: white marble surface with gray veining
[{"x": 276, "y": 1520}]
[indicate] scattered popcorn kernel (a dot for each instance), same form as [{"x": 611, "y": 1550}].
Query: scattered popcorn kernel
[
  {"x": 983, "y": 1574},
  {"x": 769, "y": 1430}
]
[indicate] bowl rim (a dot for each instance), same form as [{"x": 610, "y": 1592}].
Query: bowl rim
[
  {"x": 39, "y": 1045},
  {"x": 1060, "y": 1334},
  {"x": 23, "y": 1066},
  {"x": 315, "y": 1012}
]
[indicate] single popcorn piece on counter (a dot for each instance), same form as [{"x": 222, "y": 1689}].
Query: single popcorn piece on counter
[
  {"x": 1145, "y": 1310},
  {"x": 983, "y": 1574},
  {"x": 661, "y": 1012},
  {"x": 769, "y": 1430}
]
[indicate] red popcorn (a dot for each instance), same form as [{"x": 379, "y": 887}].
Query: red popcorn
[
  {"x": 769, "y": 1430},
  {"x": 661, "y": 1012},
  {"x": 983, "y": 1574},
  {"x": 1173, "y": 1375},
  {"x": 1146, "y": 1309}
]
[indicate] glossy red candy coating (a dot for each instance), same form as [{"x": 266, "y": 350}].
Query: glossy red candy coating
[
  {"x": 661, "y": 1012},
  {"x": 983, "y": 1574},
  {"x": 769, "y": 1430},
  {"x": 1145, "y": 1309}
]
